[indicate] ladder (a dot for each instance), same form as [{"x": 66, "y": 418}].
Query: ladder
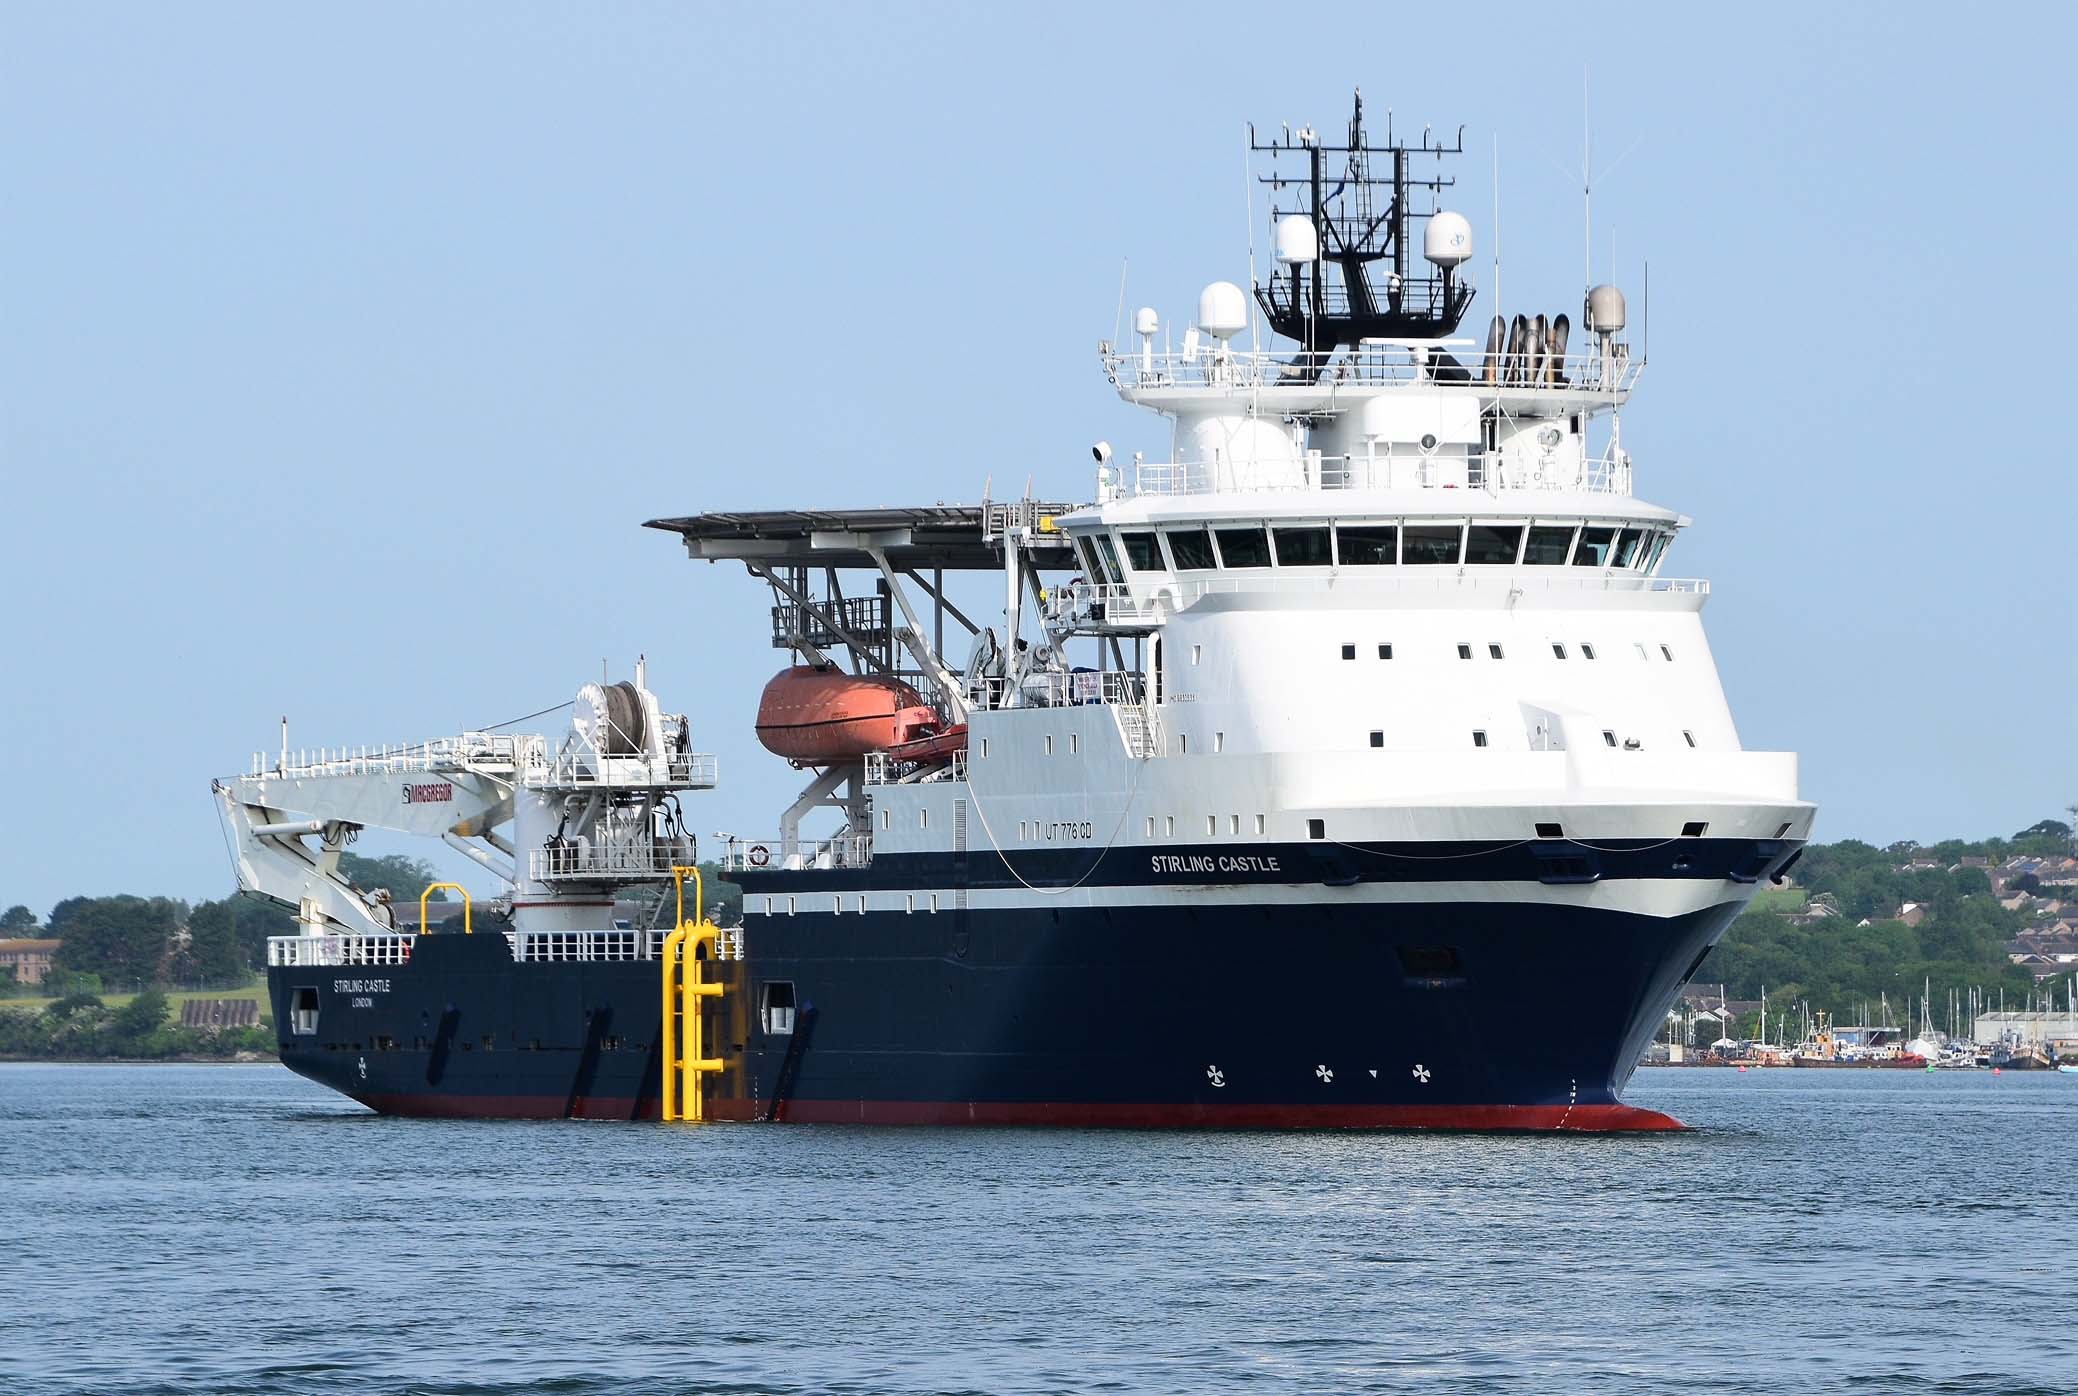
[{"x": 684, "y": 986}]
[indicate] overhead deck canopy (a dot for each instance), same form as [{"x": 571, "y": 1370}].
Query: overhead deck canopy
[{"x": 954, "y": 537}]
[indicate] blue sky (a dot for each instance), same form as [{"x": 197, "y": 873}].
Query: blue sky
[{"x": 342, "y": 352}]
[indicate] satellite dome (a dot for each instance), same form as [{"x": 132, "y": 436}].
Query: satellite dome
[
  {"x": 1297, "y": 240},
  {"x": 1222, "y": 310},
  {"x": 1448, "y": 240},
  {"x": 1145, "y": 321},
  {"x": 1605, "y": 309}
]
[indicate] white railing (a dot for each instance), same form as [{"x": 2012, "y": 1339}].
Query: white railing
[
  {"x": 582, "y": 861},
  {"x": 580, "y": 769},
  {"x": 469, "y": 751},
  {"x": 1094, "y": 604},
  {"x": 757, "y": 855},
  {"x": 1376, "y": 365},
  {"x": 326, "y": 951},
  {"x": 1080, "y": 689},
  {"x": 1491, "y": 473},
  {"x": 538, "y": 947},
  {"x": 883, "y": 768}
]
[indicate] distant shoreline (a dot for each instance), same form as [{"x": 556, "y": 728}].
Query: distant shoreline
[{"x": 189, "y": 1059}]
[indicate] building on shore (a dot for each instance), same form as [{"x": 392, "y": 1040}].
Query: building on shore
[{"x": 29, "y": 959}]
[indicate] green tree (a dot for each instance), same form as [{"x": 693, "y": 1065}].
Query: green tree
[
  {"x": 137, "y": 1020},
  {"x": 215, "y": 952},
  {"x": 118, "y": 938},
  {"x": 17, "y": 918},
  {"x": 404, "y": 876}
]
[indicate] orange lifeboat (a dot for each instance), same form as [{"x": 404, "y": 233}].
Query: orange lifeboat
[{"x": 816, "y": 715}]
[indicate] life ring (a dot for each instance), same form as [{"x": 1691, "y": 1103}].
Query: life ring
[{"x": 759, "y": 855}]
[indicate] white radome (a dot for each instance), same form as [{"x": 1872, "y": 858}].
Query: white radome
[
  {"x": 1448, "y": 240},
  {"x": 1297, "y": 240},
  {"x": 1222, "y": 310}
]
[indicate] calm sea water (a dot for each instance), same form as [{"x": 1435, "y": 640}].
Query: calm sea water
[{"x": 233, "y": 1229}]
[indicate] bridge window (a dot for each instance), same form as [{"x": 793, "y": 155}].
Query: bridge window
[
  {"x": 1666, "y": 653},
  {"x": 1493, "y": 545},
  {"x": 1302, "y": 547},
  {"x": 1433, "y": 544},
  {"x": 1593, "y": 548},
  {"x": 1191, "y": 549},
  {"x": 1108, "y": 557},
  {"x": 1587, "y": 651},
  {"x": 1627, "y": 546},
  {"x": 1494, "y": 651},
  {"x": 1464, "y": 651},
  {"x": 1558, "y": 650},
  {"x": 1243, "y": 547},
  {"x": 1367, "y": 545},
  {"x": 1659, "y": 546},
  {"x": 1548, "y": 546},
  {"x": 1689, "y": 735},
  {"x": 1142, "y": 551}
]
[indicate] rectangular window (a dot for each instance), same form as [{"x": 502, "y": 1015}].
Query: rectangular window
[
  {"x": 1627, "y": 543},
  {"x": 1367, "y": 545},
  {"x": 1087, "y": 558},
  {"x": 934, "y": 903},
  {"x": 1464, "y": 651},
  {"x": 1243, "y": 547},
  {"x": 887, "y": 819},
  {"x": 790, "y": 906},
  {"x": 1548, "y": 546},
  {"x": 1074, "y": 743},
  {"x": 1260, "y": 820},
  {"x": 1183, "y": 744},
  {"x": 1593, "y": 548},
  {"x": 1378, "y": 739},
  {"x": 1219, "y": 741},
  {"x": 1192, "y": 549},
  {"x": 1234, "y": 824},
  {"x": 1349, "y": 651},
  {"x": 1478, "y": 737},
  {"x": 776, "y": 1007},
  {"x": 984, "y": 746},
  {"x": 1493, "y": 545},
  {"x": 1142, "y": 554},
  {"x": 1211, "y": 826},
  {"x": 1168, "y": 826},
  {"x": 1608, "y": 737},
  {"x": 1558, "y": 650},
  {"x": 1021, "y": 831},
  {"x": 1316, "y": 828},
  {"x": 909, "y": 902},
  {"x": 1197, "y": 653},
  {"x": 1432, "y": 544},
  {"x": 861, "y": 904},
  {"x": 1666, "y": 653},
  {"x": 303, "y": 1012},
  {"x": 1302, "y": 547},
  {"x": 1493, "y": 651},
  {"x": 1150, "y": 826},
  {"x": 1659, "y": 546},
  {"x": 1385, "y": 651},
  {"x": 1049, "y": 744},
  {"x": 1695, "y": 829},
  {"x": 1551, "y": 831},
  {"x": 923, "y": 818},
  {"x": 1689, "y": 736},
  {"x": 1107, "y": 556},
  {"x": 1587, "y": 651}
]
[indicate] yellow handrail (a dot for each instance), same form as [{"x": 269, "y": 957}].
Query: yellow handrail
[
  {"x": 468, "y": 925},
  {"x": 679, "y": 873}
]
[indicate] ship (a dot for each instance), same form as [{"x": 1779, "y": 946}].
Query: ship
[{"x": 1284, "y": 781}]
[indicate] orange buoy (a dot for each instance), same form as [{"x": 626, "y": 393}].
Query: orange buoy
[{"x": 818, "y": 715}]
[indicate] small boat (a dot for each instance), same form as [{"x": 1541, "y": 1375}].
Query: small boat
[
  {"x": 2068, "y": 1068},
  {"x": 817, "y": 714}
]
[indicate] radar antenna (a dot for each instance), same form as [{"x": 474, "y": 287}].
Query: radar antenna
[{"x": 1359, "y": 220}]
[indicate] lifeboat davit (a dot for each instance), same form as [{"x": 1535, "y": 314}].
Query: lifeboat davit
[{"x": 818, "y": 715}]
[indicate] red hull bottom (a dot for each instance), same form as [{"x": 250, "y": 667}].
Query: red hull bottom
[{"x": 1511, "y": 1119}]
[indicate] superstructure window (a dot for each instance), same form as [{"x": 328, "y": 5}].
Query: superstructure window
[
  {"x": 1593, "y": 548},
  {"x": 1191, "y": 549},
  {"x": 1493, "y": 545},
  {"x": 1666, "y": 653},
  {"x": 1378, "y": 739},
  {"x": 1691, "y": 737},
  {"x": 1434, "y": 544},
  {"x": 1548, "y": 546},
  {"x": 1087, "y": 557},
  {"x": 1558, "y": 650},
  {"x": 1107, "y": 556},
  {"x": 1301, "y": 547},
  {"x": 1478, "y": 737},
  {"x": 1659, "y": 546},
  {"x": 1608, "y": 737},
  {"x": 1243, "y": 547},
  {"x": 1464, "y": 651},
  {"x": 1349, "y": 651},
  {"x": 1627, "y": 543},
  {"x": 1385, "y": 651},
  {"x": 1367, "y": 545},
  {"x": 1142, "y": 552},
  {"x": 1494, "y": 652},
  {"x": 1587, "y": 651}
]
